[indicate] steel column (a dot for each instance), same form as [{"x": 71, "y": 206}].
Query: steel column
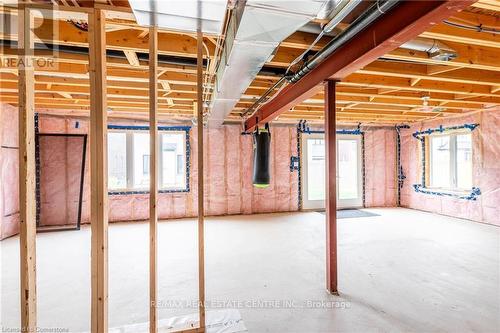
[{"x": 331, "y": 187}]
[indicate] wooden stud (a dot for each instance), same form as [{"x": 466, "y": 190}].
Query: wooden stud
[
  {"x": 195, "y": 109},
  {"x": 331, "y": 188},
  {"x": 153, "y": 179},
  {"x": 98, "y": 182},
  {"x": 27, "y": 204},
  {"x": 201, "y": 210}
]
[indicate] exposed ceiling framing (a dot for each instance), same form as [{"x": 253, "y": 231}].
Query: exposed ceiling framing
[{"x": 402, "y": 86}]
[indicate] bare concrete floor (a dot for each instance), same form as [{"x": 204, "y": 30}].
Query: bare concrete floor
[{"x": 402, "y": 271}]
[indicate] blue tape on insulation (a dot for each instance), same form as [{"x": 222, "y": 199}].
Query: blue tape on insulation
[
  {"x": 475, "y": 192},
  {"x": 419, "y": 134}
]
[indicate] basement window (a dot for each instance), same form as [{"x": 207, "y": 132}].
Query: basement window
[
  {"x": 129, "y": 161},
  {"x": 450, "y": 162}
]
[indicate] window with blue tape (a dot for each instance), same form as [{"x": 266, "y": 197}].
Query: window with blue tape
[{"x": 447, "y": 162}]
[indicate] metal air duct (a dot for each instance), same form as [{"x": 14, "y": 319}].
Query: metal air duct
[
  {"x": 435, "y": 49},
  {"x": 255, "y": 29}
]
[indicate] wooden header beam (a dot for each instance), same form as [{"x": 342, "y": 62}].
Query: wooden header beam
[{"x": 406, "y": 21}]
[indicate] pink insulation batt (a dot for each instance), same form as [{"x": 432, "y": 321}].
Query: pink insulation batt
[
  {"x": 228, "y": 178},
  {"x": 228, "y": 174},
  {"x": 380, "y": 170},
  {"x": 485, "y": 165},
  {"x": 9, "y": 171}
]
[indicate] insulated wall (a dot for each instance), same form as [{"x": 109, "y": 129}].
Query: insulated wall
[
  {"x": 60, "y": 160},
  {"x": 9, "y": 171},
  {"x": 228, "y": 174},
  {"x": 485, "y": 166},
  {"x": 380, "y": 167},
  {"x": 228, "y": 171}
]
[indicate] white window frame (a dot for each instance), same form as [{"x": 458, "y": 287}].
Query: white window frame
[
  {"x": 129, "y": 135},
  {"x": 453, "y": 161}
]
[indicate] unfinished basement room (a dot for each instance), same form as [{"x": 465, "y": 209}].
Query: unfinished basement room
[{"x": 261, "y": 166}]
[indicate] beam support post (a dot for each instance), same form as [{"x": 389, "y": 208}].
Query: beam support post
[
  {"x": 331, "y": 188},
  {"x": 153, "y": 178},
  {"x": 98, "y": 171},
  {"x": 27, "y": 204},
  {"x": 201, "y": 207}
]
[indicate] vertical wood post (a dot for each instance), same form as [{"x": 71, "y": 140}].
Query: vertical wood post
[
  {"x": 331, "y": 188},
  {"x": 27, "y": 205},
  {"x": 98, "y": 171},
  {"x": 153, "y": 177},
  {"x": 201, "y": 211}
]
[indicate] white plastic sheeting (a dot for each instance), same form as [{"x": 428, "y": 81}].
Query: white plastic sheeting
[
  {"x": 181, "y": 15},
  {"x": 218, "y": 321}
]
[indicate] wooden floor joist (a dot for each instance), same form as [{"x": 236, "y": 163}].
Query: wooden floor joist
[
  {"x": 153, "y": 178},
  {"x": 402, "y": 70},
  {"x": 98, "y": 172},
  {"x": 27, "y": 203}
]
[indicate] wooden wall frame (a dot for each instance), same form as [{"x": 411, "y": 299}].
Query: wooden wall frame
[
  {"x": 98, "y": 171},
  {"x": 27, "y": 199},
  {"x": 98, "y": 161},
  {"x": 153, "y": 178},
  {"x": 201, "y": 205}
]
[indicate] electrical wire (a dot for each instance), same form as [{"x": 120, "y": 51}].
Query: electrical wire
[
  {"x": 282, "y": 81},
  {"x": 300, "y": 57},
  {"x": 478, "y": 28}
]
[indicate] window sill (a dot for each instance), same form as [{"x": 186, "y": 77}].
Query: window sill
[{"x": 458, "y": 192}]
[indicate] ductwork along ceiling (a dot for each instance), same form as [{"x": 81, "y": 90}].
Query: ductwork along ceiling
[{"x": 256, "y": 28}]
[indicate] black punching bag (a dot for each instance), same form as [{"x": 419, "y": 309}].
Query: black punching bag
[{"x": 261, "y": 146}]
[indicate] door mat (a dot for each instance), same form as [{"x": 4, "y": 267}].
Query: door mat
[{"x": 352, "y": 213}]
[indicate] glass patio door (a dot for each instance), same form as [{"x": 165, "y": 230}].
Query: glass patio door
[{"x": 349, "y": 181}]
